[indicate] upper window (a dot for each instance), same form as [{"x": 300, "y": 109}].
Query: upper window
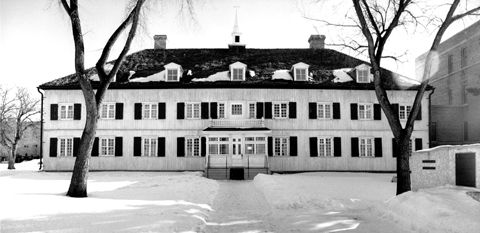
[
  {"x": 150, "y": 110},
  {"x": 324, "y": 110},
  {"x": 366, "y": 147},
  {"x": 192, "y": 110},
  {"x": 280, "y": 110},
  {"x": 325, "y": 147},
  {"x": 172, "y": 75},
  {"x": 149, "y": 147},
  {"x": 221, "y": 110},
  {"x": 173, "y": 72},
  {"x": 107, "y": 146},
  {"x": 65, "y": 147},
  {"x": 193, "y": 146},
  {"x": 404, "y": 111},
  {"x": 252, "y": 113},
  {"x": 66, "y": 111},
  {"x": 363, "y": 75},
  {"x": 365, "y": 111},
  {"x": 107, "y": 111},
  {"x": 237, "y": 71},
  {"x": 237, "y": 109},
  {"x": 300, "y": 71},
  {"x": 463, "y": 61},
  {"x": 450, "y": 63},
  {"x": 280, "y": 145}
]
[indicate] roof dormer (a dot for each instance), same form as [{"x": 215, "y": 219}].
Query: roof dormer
[
  {"x": 300, "y": 71},
  {"x": 173, "y": 72},
  {"x": 363, "y": 74},
  {"x": 237, "y": 71}
]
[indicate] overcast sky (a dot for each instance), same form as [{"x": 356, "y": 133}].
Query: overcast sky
[{"x": 36, "y": 44}]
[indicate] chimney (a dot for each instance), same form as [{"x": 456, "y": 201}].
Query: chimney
[
  {"x": 160, "y": 41},
  {"x": 317, "y": 41}
]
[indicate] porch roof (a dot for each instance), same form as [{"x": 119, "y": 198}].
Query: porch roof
[{"x": 237, "y": 129}]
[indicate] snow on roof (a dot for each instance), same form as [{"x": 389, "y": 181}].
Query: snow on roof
[
  {"x": 219, "y": 76},
  {"x": 341, "y": 75},
  {"x": 172, "y": 65},
  {"x": 237, "y": 64},
  {"x": 252, "y": 73},
  {"x": 300, "y": 64},
  {"x": 404, "y": 82},
  {"x": 160, "y": 76},
  {"x": 282, "y": 74}
]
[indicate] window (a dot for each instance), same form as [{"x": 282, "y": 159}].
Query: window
[
  {"x": 65, "y": 147},
  {"x": 255, "y": 145},
  {"x": 107, "y": 146},
  {"x": 149, "y": 147},
  {"x": 324, "y": 110},
  {"x": 450, "y": 64},
  {"x": 404, "y": 111},
  {"x": 193, "y": 146},
  {"x": 218, "y": 145},
  {"x": 301, "y": 74},
  {"x": 107, "y": 111},
  {"x": 252, "y": 113},
  {"x": 237, "y": 74},
  {"x": 172, "y": 74},
  {"x": 150, "y": 111},
  {"x": 280, "y": 110},
  {"x": 366, "y": 147},
  {"x": 325, "y": 146},
  {"x": 192, "y": 110},
  {"x": 463, "y": 56},
  {"x": 280, "y": 145},
  {"x": 363, "y": 75},
  {"x": 221, "y": 110},
  {"x": 66, "y": 111},
  {"x": 365, "y": 111},
  {"x": 237, "y": 109}
]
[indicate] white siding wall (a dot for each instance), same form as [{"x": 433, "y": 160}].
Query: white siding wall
[{"x": 170, "y": 128}]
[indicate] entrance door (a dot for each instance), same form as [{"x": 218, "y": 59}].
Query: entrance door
[
  {"x": 237, "y": 155},
  {"x": 465, "y": 169}
]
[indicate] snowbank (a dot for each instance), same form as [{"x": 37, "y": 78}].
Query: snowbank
[
  {"x": 219, "y": 76},
  {"x": 341, "y": 75},
  {"x": 160, "y": 76},
  {"x": 282, "y": 74}
]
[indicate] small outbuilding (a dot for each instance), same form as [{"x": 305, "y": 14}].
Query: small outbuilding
[{"x": 454, "y": 165}]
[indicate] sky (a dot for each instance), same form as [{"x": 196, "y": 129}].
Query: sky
[{"x": 36, "y": 44}]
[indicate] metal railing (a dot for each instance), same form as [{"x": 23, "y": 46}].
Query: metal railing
[{"x": 237, "y": 123}]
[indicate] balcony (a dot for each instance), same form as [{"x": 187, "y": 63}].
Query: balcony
[{"x": 237, "y": 123}]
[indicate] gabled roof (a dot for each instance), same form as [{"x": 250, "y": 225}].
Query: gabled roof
[{"x": 202, "y": 63}]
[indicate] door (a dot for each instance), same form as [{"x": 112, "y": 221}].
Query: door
[
  {"x": 465, "y": 169},
  {"x": 237, "y": 155}
]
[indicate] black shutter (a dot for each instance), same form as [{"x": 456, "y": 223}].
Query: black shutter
[
  {"x": 292, "y": 108},
  {"x": 268, "y": 110},
  {"x": 377, "y": 112},
  {"x": 395, "y": 109},
  {"x": 76, "y": 144},
  {"x": 419, "y": 115},
  {"x": 161, "y": 147},
  {"x": 203, "y": 146},
  {"x": 270, "y": 146},
  {"x": 118, "y": 146},
  {"x": 95, "y": 148},
  {"x": 180, "y": 110},
  {"x": 118, "y": 111},
  {"x": 162, "y": 110},
  {"x": 259, "y": 110},
  {"x": 53, "y": 112},
  {"x": 138, "y": 111},
  {"x": 213, "y": 110},
  {"x": 53, "y": 147},
  {"x": 354, "y": 147},
  {"x": 418, "y": 144},
  {"x": 313, "y": 147},
  {"x": 354, "y": 111},
  {"x": 378, "y": 147},
  {"x": 337, "y": 147},
  {"x": 180, "y": 147},
  {"x": 204, "y": 110},
  {"x": 394, "y": 148},
  {"x": 336, "y": 110},
  {"x": 312, "y": 110},
  {"x": 77, "y": 111},
  {"x": 137, "y": 146},
  {"x": 293, "y": 146}
]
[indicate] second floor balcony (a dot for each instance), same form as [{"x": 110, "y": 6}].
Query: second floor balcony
[{"x": 237, "y": 123}]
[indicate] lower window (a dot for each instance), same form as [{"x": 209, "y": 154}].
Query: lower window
[
  {"x": 366, "y": 147},
  {"x": 65, "y": 147},
  {"x": 218, "y": 145},
  {"x": 255, "y": 145},
  {"x": 149, "y": 147},
  {"x": 193, "y": 146},
  {"x": 280, "y": 145},
  {"x": 325, "y": 146},
  {"x": 107, "y": 146}
]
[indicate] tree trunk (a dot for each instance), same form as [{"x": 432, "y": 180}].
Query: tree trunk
[
  {"x": 11, "y": 160},
  {"x": 403, "y": 165}
]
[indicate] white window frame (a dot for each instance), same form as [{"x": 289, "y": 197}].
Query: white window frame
[
  {"x": 258, "y": 141},
  {"x": 281, "y": 110},
  {"x": 238, "y": 66},
  {"x": 175, "y": 76},
  {"x": 221, "y": 110},
  {"x": 110, "y": 112},
  {"x": 405, "y": 112},
  {"x": 325, "y": 150},
  {"x": 252, "y": 112},
  {"x": 369, "y": 149},
  {"x": 241, "y": 109},
  {"x": 363, "y": 75},
  {"x": 195, "y": 150},
  {"x": 322, "y": 108},
  {"x": 218, "y": 142},
  {"x": 368, "y": 112},
  {"x": 190, "y": 113},
  {"x": 240, "y": 71},
  {"x": 297, "y": 75},
  {"x": 152, "y": 144},
  {"x": 67, "y": 152},
  {"x": 109, "y": 151},
  {"x": 283, "y": 147},
  {"x": 150, "y": 115},
  {"x": 69, "y": 111}
]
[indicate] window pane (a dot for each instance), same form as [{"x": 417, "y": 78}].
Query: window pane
[
  {"x": 154, "y": 110},
  {"x": 260, "y": 149},
  {"x": 62, "y": 147},
  {"x": 250, "y": 149},
  {"x": 221, "y": 110},
  {"x": 196, "y": 110},
  {"x": 189, "y": 111},
  {"x": 70, "y": 112},
  {"x": 251, "y": 111},
  {"x": 284, "y": 110},
  {"x": 236, "y": 109},
  {"x": 213, "y": 149}
]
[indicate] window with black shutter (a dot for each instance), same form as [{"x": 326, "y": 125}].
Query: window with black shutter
[
  {"x": 268, "y": 110},
  {"x": 270, "y": 146},
  {"x": 95, "y": 148},
  {"x": 378, "y": 147},
  {"x": 355, "y": 151},
  {"x": 260, "y": 106},
  {"x": 162, "y": 112},
  {"x": 53, "y": 112},
  {"x": 180, "y": 147},
  {"x": 312, "y": 110},
  {"x": 77, "y": 111},
  {"x": 137, "y": 146},
  {"x": 161, "y": 147},
  {"x": 377, "y": 112},
  {"x": 118, "y": 111},
  {"x": 76, "y": 144},
  {"x": 53, "y": 147},
  {"x": 138, "y": 111},
  {"x": 313, "y": 147},
  {"x": 213, "y": 110},
  {"x": 337, "y": 147},
  {"x": 203, "y": 146},
  {"x": 336, "y": 110},
  {"x": 293, "y": 146},
  {"x": 204, "y": 110},
  {"x": 354, "y": 112},
  {"x": 292, "y": 108},
  {"x": 418, "y": 144},
  {"x": 180, "y": 110},
  {"x": 118, "y": 146}
]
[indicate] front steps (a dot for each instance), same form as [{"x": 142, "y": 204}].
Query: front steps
[{"x": 234, "y": 173}]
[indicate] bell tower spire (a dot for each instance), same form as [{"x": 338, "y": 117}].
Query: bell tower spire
[{"x": 236, "y": 44}]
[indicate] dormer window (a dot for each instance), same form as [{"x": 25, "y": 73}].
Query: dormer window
[
  {"x": 363, "y": 74},
  {"x": 237, "y": 71},
  {"x": 173, "y": 72},
  {"x": 300, "y": 72}
]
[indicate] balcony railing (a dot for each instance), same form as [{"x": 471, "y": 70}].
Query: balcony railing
[{"x": 237, "y": 123}]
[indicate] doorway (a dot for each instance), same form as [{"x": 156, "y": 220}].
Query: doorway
[
  {"x": 237, "y": 174},
  {"x": 465, "y": 169}
]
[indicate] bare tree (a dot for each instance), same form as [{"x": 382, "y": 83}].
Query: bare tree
[
  {"x": 15, "y": 118},
  {"x": 93, "y": 100}
]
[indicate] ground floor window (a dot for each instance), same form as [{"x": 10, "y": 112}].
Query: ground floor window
[
  {"x": 280, "y": 145},
  {"x": 366, "y": 147},
  {"x": 255, "y": 145},
  {"x": 193, "y": 146},
  {"x": 325, "y": 147},
  {"x": 107, "y": 146},
  {"x": 65, "y": 147},
  {"x": 218, "y": 145},
  {"x": 149, "y": 147}
]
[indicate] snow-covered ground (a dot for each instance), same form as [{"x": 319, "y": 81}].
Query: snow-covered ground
[{"x": 33, "y": 201}]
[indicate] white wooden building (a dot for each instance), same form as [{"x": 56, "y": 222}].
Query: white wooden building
[{"x": 233, "y": 110}]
